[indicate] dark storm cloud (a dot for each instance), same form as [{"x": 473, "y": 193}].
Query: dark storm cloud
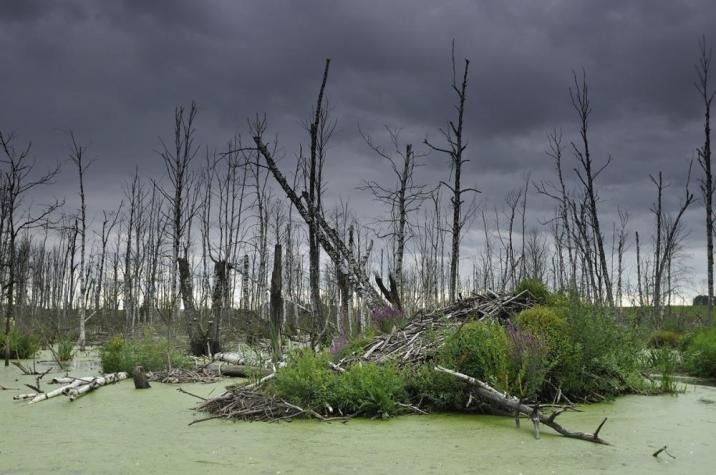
[{"x": 113, "y": 71}]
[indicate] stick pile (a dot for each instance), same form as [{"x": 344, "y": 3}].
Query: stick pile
[{"x": 418, "y": 341}]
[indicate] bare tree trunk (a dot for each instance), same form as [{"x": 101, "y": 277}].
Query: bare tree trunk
[
  {"x": 703, "y": 69},
  {"x": 456, "y": 147},
  {"x": 586, "y": 175},
  {"x": 276, "y": 303}
]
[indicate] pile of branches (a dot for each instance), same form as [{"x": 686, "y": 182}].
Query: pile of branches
[
  {"x": 422, "y": 337},
  {"x": 178, "y": 375},
  {"x": 251, "y": 404}
]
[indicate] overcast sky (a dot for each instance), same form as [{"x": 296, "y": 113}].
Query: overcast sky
[{"x": 113, "y": 71}]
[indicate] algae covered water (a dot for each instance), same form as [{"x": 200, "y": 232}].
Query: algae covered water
[{"x": 118, "y": 429}]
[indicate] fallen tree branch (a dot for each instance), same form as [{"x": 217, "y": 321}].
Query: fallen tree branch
[{"x": 511, "y": 404}]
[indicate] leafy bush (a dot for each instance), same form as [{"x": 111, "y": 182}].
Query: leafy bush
[
  {"x": 118, "y": 355},
  {"x": 480, "y": 350},
  {"x": 22, "y": 346},
  {"x": 369, "y": 389},
  {"x": 536, "y": 288},
  {"x": 700, "y": 354},
  {"x": 548, "y": 322},
  {"x": 439, "y": 390},
  {"x": 664, "y": 339},
  {"x": 306, "y": 380},
  {"x": 593, "y": 355}
]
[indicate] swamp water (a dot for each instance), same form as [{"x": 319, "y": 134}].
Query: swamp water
[{"x": 118, "y": 429}]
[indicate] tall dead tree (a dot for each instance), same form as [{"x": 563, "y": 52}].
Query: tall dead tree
[
  {"x": 666, "y": 238},
  {"x": 314, "y": 193},
  {"x": 177, "y": 159},
  {"x": 456, "y": 146},
  {"x": 587, "y": 176},
  {"x": 77, "y": 157},
  {"x": 703, "y": 86},
  {"x": 16, "y": 183},
  {"x": 404, "y": 198}
]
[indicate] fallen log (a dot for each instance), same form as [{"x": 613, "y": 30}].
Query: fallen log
[
  {"x": 58, "y": 391},
  {"x": 512, "y": 405},
  {"x": 239, "y": 371},
  {"x": 76, "y": 392}
]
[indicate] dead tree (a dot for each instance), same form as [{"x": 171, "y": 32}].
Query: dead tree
[
  {"x": 706, "y": 92},
  {"x": 17, "y": 182},
  {"x": 314, "y": 195},
  {"x": 177, "y": 162},
  {"x": 77, "y": 157},
  {"x": 587, "y": 176},
  {"x": 666, "y": 234},
  {"x": 456, "y": 146},
  {"x": 276, "y": 320},
  {"x": 404, "y": 198}
]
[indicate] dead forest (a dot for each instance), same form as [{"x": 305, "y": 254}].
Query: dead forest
[{"x": 239, "y": 241}]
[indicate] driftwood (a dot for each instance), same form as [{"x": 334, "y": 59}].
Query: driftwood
[{"x": 511, "y": 404}]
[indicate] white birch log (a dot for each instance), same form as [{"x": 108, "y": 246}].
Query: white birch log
[
  {"x": 75, "y": 392},
  {"x": 57, "y": 392}
]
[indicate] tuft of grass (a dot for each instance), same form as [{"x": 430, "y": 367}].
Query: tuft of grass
[
  {"x": 22, "y": 345},
  {"x": 65, "y": 349},
  {"x": 118, "y": 355}
]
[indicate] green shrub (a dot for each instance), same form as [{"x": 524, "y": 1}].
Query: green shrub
[
  {"x": 664, "y": 339},
  {"x": 528, "y": 361},
  {"x": 700, "y": 354},
  {"x": 118, "y": 355},
  {"x": 549, "y": 322},
  {"x": 536, "y": 288},
  {"x": 306, "y": 380},
  {"x": 480, "y": 350},
  {"x": 22, "y": 346},
  {"x": 369, "y": 389},
  {"x": 594, "y": 355},
  {"x": 438, "y": 390}
]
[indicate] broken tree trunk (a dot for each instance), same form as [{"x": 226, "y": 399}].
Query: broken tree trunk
[{"x": 511, "y": 404}]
